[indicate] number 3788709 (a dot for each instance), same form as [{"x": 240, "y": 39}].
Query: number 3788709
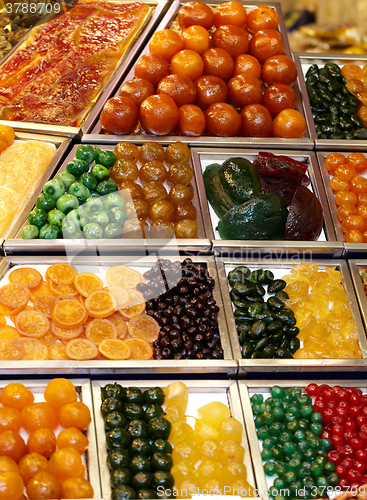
[{"x": 32, "y": 8}]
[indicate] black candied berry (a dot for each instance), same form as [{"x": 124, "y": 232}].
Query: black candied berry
[
  {"x": 169, "y": 300},
  {"x": 166, "y": 353},
  {"x": 210, "y": 302},
  {"x": 185, "y": 337},
  {"x": 174, "y": 334},
  {"x": 156, "y": 344},
  {"x": 202, "y": 329},
  {"x": 203, "y": 288},
  {"x": 149, "y": 304},
  {"x": 211, "y": 344},
  {"x": 200, "y": 355},
  {"x": 192, "y": 282},
  {"x": 161, "y": 306},
  {"x": 176, "y": 345},
  {"x": 142, "y": 287},
  {"x": 164, "y": 342},
  {"x": 200, "y": 307},
  {"x": 214, "y": 308},
  {"x": 166, "y": 329},
  {"x": 192, "y": 331},
  {"x": 150, "y": 312},
  {"x": 168, "y": 312},
  {"x": 157, "y": 315},
  {"x": 183, "y": 290},
  {"x": 196, "y": 347},
  {"x": 178, "y": 310},
  {"x": 157, "y": 352},
  {"x": 217, "y": 353},
  {"x": 199, "y": 339},
  {"x": 207, "y": 312},
  {"x": 209, "y": 336},
  {"x": 207, "y": 352},
  {"x": 192, "y": 313},
  {"x": 190, "y": 354},
  {"x": 202, "y": 298},
  {"x": 178, "y": 355},
  {"x": 196, "y": 291},
  {"x": 175, "y": 299},
  {"x": 187, "y": 305},
  {"x": 164, "y": 321},
  {"x": 175, "y": 319},
  {"x": 185, "y": 321},
  {"x": 188, "y": 345},
  {"x": 210, "y": 282}
]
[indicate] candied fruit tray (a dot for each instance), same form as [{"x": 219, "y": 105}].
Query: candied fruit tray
[
  {"x": 99, "y": 266},
  {"x": 280, "y": 269},
  {"x": 326, "y": 245},
  {"x": 84, "y": 394},
  {"x": 247, "y": 390},
  {"x": 61, "y": 145},
  {"x": 200, "y": 393},
  {"x": 305, "y": 142},
  {"x": 303, "y": 62},
  {"x": 157, "y": 9},
  {"x": 356, "y": 266},
  {"x": 15, "y": 245}
]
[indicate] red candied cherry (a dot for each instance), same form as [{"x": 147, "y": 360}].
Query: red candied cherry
[
  {"x": 341, "y": 412},
  {"x": 359, "y": 455},
  {"x": 364, "y": 447},
  {"x": 361, "y": 420},
  {"x": 326, "y": 434},
  {"x": 355, "y": 400},
  {"x": 364, "y": 410},
  {"x": 358, "y": 392},
  {"x": 354, "y": 411},
  {"x": 360, "y": 466},
  {"x": 338, "y": 430},
  {"x": 312, "y": 390},
  {"x": 337, "y": 388},
  {"x": 347, "y": 463},
  {"x": 348, "y": 451},
  {"x": 332, "y": 404},
  {"x": 341, "y": 470},
  {"x": 328, "y": 415},
  {"x": 344, "y": 404},
  {"x": 342, "y": 395},
  {"x": 337, "y": 440},
  {"x": 323, "y": 387},
  {"x": 364, "y": 399},
  {"x": 356, "y": 443},
  {"x": 349, "y": 435},
  {"x": 362, "y": 436},
  {"x": 364, "y": 479},
  {"x": 344, "y": 483},
  {"x": 353, "y": 476},
  {"x": 319, "y": 405},
  {"x": 337, "y": 420},
  {"x": 328, "y": 394},
  {"x": 350, "y": 425},
  {"x": 350, "y": 390},
  {"x": 334, "y": 457}
]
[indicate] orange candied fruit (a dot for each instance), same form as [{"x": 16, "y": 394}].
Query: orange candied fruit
[
  {"x": 59, "y": 392},
  {"x": 77, "y": 487},
  {"x": 72, "y": 438},
  {"x": 11, "y": 486},
  {"x": 338, "y": 184},
  {"x": 345, "y": 172},
  {"x": 353, "y": 222},
  {"x": 333, "y": 161},
  {"x": 66, "y": 463},
  {"x": 343, "y": 197},
  {"x": 75, "y": 414},
  {"x": 358, "y": 184},
  {"x": 346, "y": 210},
  {"x": 42, "y": 441},
  {"x": 39, "y": 415},
  {"x": 354, "y": 236},
  {"x": 358, "y": 161},
  {"x": 16, "y": 395}
]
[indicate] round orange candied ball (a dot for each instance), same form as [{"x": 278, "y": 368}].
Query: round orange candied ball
[
  {"x": 137, "y": 90},
  {"x": 244, "y": 89},
  {"x": 246, "y": 63},
  {"x": 191, "y": 121},
  {"x": 262, "y": 18},
  {"x": 59, "y": 392},
  {"x": 196, "y": 38},
  {"x": 179, "y": 87},
  {"x": 231, "y": 38},
  {"x": 218, "y": 62},
  {"x": 152, "y": 67},
  {"x": 11, "y": 486},
  {"x": 119, "y": 116},
  {"x": 166, "y": 43},
  {"x": 279, "y": 69},
  {"x": 256, "y": 121},
  {"x": 188, "y": 63},
  {"x": 230, "y": 13},
  {"x": 158, "y": 114},
  {"x": 195, "y": 13},
  {"x": 266, "y": 43},
  {"x": 210, "y": 89},
  {"x": 289, "y": 123},
  {"x": 222, "y": 120}
]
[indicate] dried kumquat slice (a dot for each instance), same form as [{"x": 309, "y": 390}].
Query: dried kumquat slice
[
  {"x": 14, "y": 295},
  {"x": 44, "y": 304},
  {"x": 140, "y": 349},
  {"x": 86, "y": 283},
  {"x": 69, "y": 314},
  {"x": 114, "y": 349},
  {"x": 100, "y": 329},
  {"x": 9, "y": 311},
  {"x": 120, "y": 325},
  {"x": 57, "y": 351},
  {"x": 34, "y": 349},
  {"x": 64, "y": 296},
  {"x": 81, "y": 349},
  {"x": 42, "y": 290},
  {"x": 66, "y": 333},
  {"x": 136, "y": 306},
  {"x": 100, "y": 304},
  {"x": 26, "y": 276},
  {"x": 9, "y": 332},
  {"x": 121, "y": 295},
  {"x": 13, "y": 317},
  {"x": 62, "y": 289},
  {"x": 48, "y": 338},
  {"x": 62, "y": 273},
  {"x": 32, "y": 324},
  {"x": 144, "y": 327},
  {"x": 11, "y": 349},
  {"x": 122, "y": 276}
]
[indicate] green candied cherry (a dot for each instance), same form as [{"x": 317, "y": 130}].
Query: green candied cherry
[
  {"x": 146, "y": 494},
  {"x": 106, "y": 187},
  {"x": 100, "y": 218},
  {"x": 93, "y": 231},
  {"x": 269, "y": 442},
  {"x": 120, "y": 476},
  {"x": 326, "y": 444},
  {"x": 80, "y": 191},
  {"x": 299, "y": 435},
  {"x": 315, "y": 442},
  {"x": 257, "y": 398},
  {"x": 280, "y": 483},
  {"x": 263, "y": 433},
  {"x": 280, "y": 468},
  {"x": 70, "y": 230},
  {"x": 278, "y": 413},
  {"x": 265, "y": 407},
  {"x": 67, "y": 202},
  {"x": 100, "y": 172},
  {"x": 86, "y": 153},
  {"x": 45, "y": 202},
  {"x": 289, "y": 417},
  {"x": 113, "y": 200},
  {"x": 55, "y": 217},
  {"x": 113, "y": 230},
  {"x": 79, "y": 217},
  {"x": 105, "y": 158},
  {"x": 255, "y": 406},
  {"x": 266, "y": 454},
  {"x": 277, "y": 392},
  {"x": 295, "y": 410},
  {"x": 316, "y": 470},
  {"x": 295, "y": 391},
  {"x": 293, "y": 426},
  {"x": 303, "y": 445},
  {"x": 333, "y": 479},
  {"x": 308, "y": 454},
  {"x": 49, "y": 232},
  {"x": 329, "y": 468},
  {"x": 89, "y": 180},
  {"x": 303, "y": 399},
  {"x": 285, "y": 436},
  {"x": 258, "y": 422},
  {"x": 290, "y": 476},
  {"x": 66, "y": 178},
  {"x": 306, "y": 410},
  {"x": 297, "y": 454},
  {"x": 294, "y": 487},
  {"x": 289, "y": 447},
  {"x": 276, "y": 428},
  {"x": 54, "y": 188},
  {"x": 161, "y": 445},
  {"x": 277, "y": 403},
  {"x": 37, "y": 218},
  {"x": 269, "y": 468},
  {"x": 317, "y": 417},
  {"x": 77, "y": 167},
  {"x": 93, "y": 204},
  {"x": 277, "y": 452},
  {"x": 302, "y": 472},
  {"x": 303, "y": 423},
  {"x": 123, "y": 492},
  {"x": 267, "y": 417},
  {"x": 294, "y": 464},
  {"x": 30, "y": 232},
  {"x": 316, "y": 428}
]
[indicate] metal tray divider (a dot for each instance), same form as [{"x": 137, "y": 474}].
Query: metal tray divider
[
  {"x": 358, "y": 287},
  {"x": 288, "y": 365},
  {"x": 330, "y": 248},
  {"x": 305, "y": 99},
  {"x": 234, "y": 402}
]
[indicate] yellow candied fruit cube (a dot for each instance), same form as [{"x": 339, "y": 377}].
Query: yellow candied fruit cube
[
  {"x": 346, "y": 310},
  {"x": 304, "y": 353},
  {"x": 334, "y": 274},
  {"x": 303, "y": 317},
  {"x": 334, "y": 321},
  {"x": 321, "y": 349},
  {"x": 297, "y": 289},
  {"x": 309, "y": 270},
  {"x": 319, "y": 282},
  {"x": 350, "y": 330},
  {"x": 347, "y": 351},
  {"x": 291, "y": 278}
]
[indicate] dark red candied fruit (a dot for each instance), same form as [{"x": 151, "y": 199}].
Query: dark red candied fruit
[
  {"x": 334, "y": 457},
  {"x": 360, "y": 466},
  {"x": 341, "y": 471},
  {"x": 342, "y": 395},
  {"x": 312, "y": 390},
  {"x": 280, "y": 168},
  {"x": 350, "y": 425},
  {"x": 304, "y": 222},
  {"x": 284, "y": 187},
  {"x": 360, "y": 455},
  {"x": 354, "y": 411}
]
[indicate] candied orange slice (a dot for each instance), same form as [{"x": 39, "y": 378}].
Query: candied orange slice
[
  {"x": 42, "y": 290},
  {"x": 123, "y": 276},
  {"x": 100, "y": 329},
  {"x": 14, "y": 295},
  {"x": 136, "y": 306},
  {"x": 9, "y": 311},
  {"x": 26, "y": 308},
  {"x": 26, "y": 276},
  {"x": 69, "y": 314},
  {"x": 140, "y": 349},
  {"x": 34, "y": 349},
  {"x": 62, "y": 273},
  {"x": 57, "y": 351},
  {"x": 86, "y": 283},
  {"x": 81, "y": 349},
  {"x": 11, "y": 349},
  {"x": 114, "y": 349},
  {"x": 66, "y": 333},
  {"x": 64, "y": 296},
  {"x": 120, "y": 325},
  {"x": 62, "y": 289},
  {"x": 32, "y": 324},
  {"x": 48, "y": 338},
  {"x": 100, "y": 304},
  {"x": 121, "y": 295},
  {"x": 44, "y": 304},
  {"x": 9, "y": 332},
  {"x": 2, "y": 321},
  {"x": 143, "y": 327}
]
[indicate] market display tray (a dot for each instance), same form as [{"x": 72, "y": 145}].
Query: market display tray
[
  {"x": 158, "y": 9},
  {"x": 305, "y": 142},
  {"x": 15, "y": 245},
  {"x": 200, "y": 393},
  {"x": 327, "y": 244},
  {"x": 355, "y": 267},
  {"x": 279, "y": 269},
  {"x": 99, "y": 265},
  {"x": 303, "y": 62}
]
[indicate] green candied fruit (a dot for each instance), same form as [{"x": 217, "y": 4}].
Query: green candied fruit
[
  {"x": 306, "y": 410},
  {"x": 295, "y": 410},
  {"x": 267, "y": 417},
  {"x": 316, "y": 470},
  {"x": 302, "y": 473},
  {"x": 277, "y": 403},
  {"x": 308, "y": 454},
  {"x": 294, "y": 488},
  {"x": 295, "y": 392},
  {"x": 256, "y": 409},
  {"x": 322, "y": 481},
  {"x": 293, "y": 426},
  {"x": 264, "y": 407},
  {"x": 285, "y": 405},
  {"x": 294, "y": 464},
  {"x": 276, "y": 429},
  {"x": 315, "y": 442},
  {"x": 277, "y": 452},
  {"x": 326, "y": 444},
  {"x": 278, "y": 413},
  {"x": 329, "y": 467},
  {"x": 280, "y": 468},
  {"x": 290, "y": 476},
  {"x": 316, "y": 428},
  {"x": 280, "y": 483},
  {"x": 257, "y": 398},
  {"x": 299, "y": 435},
  {"x": 304, "y": 424},
  {"x": 303, "y": 445},
  {"x": 266, "y": 454},
  {"x": 289, "y": 447},
  {"x": 269, "y": 468},
  {"x": 277, "y": 392},
  {"x": 303, "y": 399},
  {"x": 285, "y": 436},
  {"x": 263, "y": 433},
  {"x": 317, "y": 417},
  {"x": 269, "y": 442},
  {"x": 321, "y": 453},
  {"x": 297, "y": 454},
  {"x": 258, "y": 422},
  {"x": 333, "y": 479}
]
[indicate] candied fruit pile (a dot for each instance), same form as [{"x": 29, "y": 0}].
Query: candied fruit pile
[{"x": 321, "y": 307}]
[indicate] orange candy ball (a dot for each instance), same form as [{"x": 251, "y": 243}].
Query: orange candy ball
[
  {"x": 230, "y": 13},
  {"x": 39, "y": 415},
  {"x": 158, "y": 114},
  {"x": 59, "y": 392},
  {"x": 166, "y": 43},
  {"x": 187, "y": 63},
  {"x": 289, "y": 123},
  {"x": 11, "y": 486},
  {"x": 75, "y": 415},
  {"x": 42, "y": 441},
  {"x": 196, "y": 38},
  {"x": 16, "y": 395},
  {"x": 77, "y": 487},
  {"x": 66, "y": 463}
]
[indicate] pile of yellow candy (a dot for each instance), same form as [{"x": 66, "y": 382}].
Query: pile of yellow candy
[
  {"x": 321, "y": 307},
  {"x": 208, "y": 456}
]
